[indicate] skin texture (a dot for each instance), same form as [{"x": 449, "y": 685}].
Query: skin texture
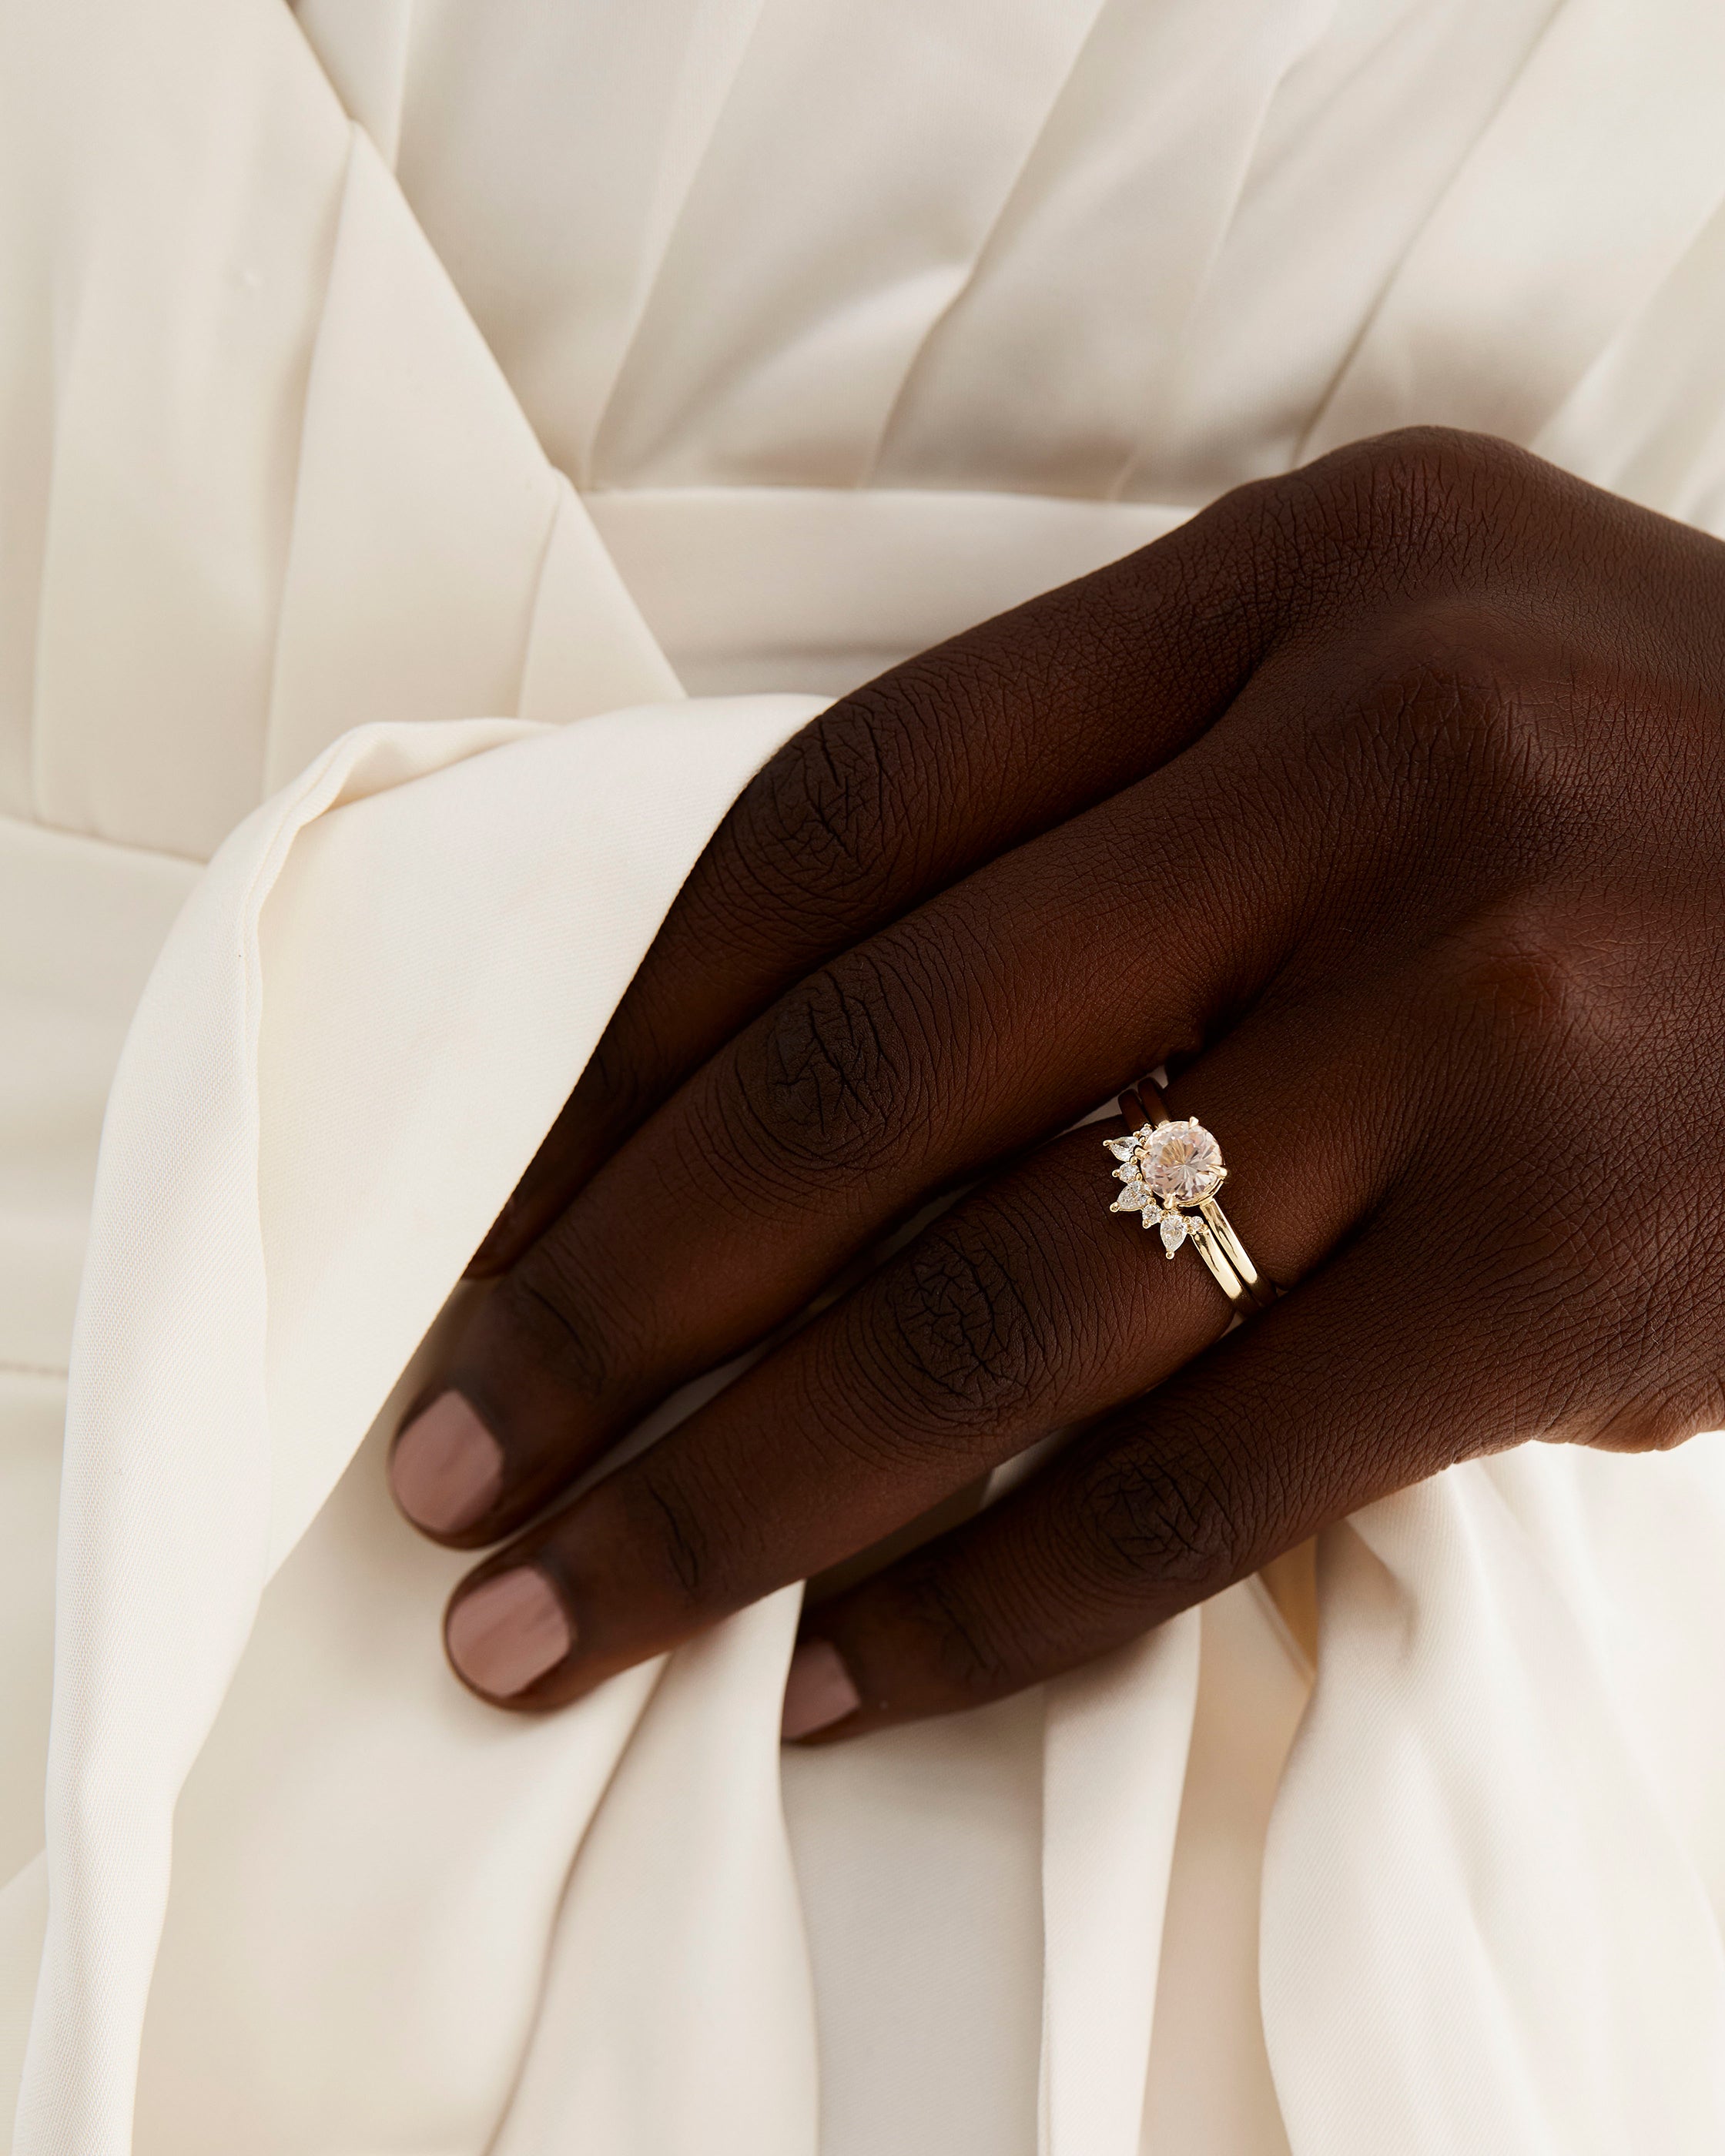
[{"x": 1383, "y": 802}]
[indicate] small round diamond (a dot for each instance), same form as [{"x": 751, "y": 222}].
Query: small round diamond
[{"x": 1182, "y": 1164}]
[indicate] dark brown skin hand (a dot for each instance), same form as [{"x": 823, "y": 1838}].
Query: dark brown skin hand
[{"x": 1386, "y": 802}]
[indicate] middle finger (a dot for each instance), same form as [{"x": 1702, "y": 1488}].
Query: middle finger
[
  {"x": 1002, "y": 1010},
  {"x": 1028, "y": 1307}
]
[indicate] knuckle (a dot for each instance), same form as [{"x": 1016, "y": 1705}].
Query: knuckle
[
  {"x": 840, "y": 1072},
  {"x": 831, "y": 824},
  {"x": 1146, "y": 1519},
  {"x": 962, "y": 1333},
  {"x": 1453, "y": 702},
  {"x": 807, "y": 829},
  {"x": 678, "y": 1534},
  {"x": 1654, "y": 1317},
  {"x": 1545, "y": 973},
  {"x": 623, "y": 1077},
  {"x": 1417, "y": 491},
  {"x": 1432, "y": 671},
  {"x": 1658, "y": 1422},
  {"x": 1423, "y": 509},
  {"x": 551, "y": 1303},
  {"x": 1417, "y": 509},
  {"x": 965, "y": 1650}
]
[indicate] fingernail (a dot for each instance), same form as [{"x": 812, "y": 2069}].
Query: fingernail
[
  {"x": 509, "y": 1631},
  {"x": 818, "y": 1691},
  {"x": 447, "y": 1468}
]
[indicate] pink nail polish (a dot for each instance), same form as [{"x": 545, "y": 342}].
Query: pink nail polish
[
  {"x": 818, "y": 1691},
  {"x": 447, "y": 1468},
  {"x": 508, "y": 1632}
]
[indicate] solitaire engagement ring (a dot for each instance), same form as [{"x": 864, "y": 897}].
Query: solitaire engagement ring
[{"x": 1171, "y": 1172}]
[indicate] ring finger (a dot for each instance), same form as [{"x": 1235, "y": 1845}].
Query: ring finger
[
  {"x": 1000, "y": 1011},
  {"x": 1028, "y": 1307}
]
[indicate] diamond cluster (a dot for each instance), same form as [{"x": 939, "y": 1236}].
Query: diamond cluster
[{"x": 1164, "y": 1166}]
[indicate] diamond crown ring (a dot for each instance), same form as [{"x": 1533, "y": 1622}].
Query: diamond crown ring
[{"x": 1172, "y": 1171}]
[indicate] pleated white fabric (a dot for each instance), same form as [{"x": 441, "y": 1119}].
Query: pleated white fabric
[{"x": 405, "y": 409}]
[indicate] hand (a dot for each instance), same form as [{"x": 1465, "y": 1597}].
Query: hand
[{"x": 1385, "y": 801}]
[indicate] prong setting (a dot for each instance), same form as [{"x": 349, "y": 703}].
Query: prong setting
[
  {"x": 1169, "y": 1174},
  {"x": 1168, "y": 1170}
]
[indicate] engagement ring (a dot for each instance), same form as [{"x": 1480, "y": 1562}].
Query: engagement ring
[{"x": 1171, "y": 1172}]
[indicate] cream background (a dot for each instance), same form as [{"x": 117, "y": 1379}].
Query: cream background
[{"x": 404, "y": 406}]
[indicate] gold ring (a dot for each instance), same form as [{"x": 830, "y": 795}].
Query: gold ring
[{"x": 1171, "y": 1172}]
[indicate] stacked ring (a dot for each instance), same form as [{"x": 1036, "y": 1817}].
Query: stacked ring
[{"x": 1171, "y": 1172}]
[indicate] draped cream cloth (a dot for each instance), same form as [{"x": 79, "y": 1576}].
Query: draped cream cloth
[{"x": 446, "y": 445}]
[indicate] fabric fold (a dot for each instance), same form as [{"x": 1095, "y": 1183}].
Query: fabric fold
[
  {"x": 230, "y": 1351},
  {"x": 433, "y": 548},
  {"x": 1114, "y": 1771},
  {"x": 1592, "y": 180},
  {"x": 1468, "y": 1867}
]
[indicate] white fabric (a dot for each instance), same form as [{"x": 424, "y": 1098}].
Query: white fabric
[{"x": 404, "y": 406}]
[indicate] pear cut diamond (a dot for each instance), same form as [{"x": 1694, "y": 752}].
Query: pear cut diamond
[{"x": 1163, "y": 1167}]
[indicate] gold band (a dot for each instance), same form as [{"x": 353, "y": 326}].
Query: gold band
[{"x": 1199, "y": 1219}]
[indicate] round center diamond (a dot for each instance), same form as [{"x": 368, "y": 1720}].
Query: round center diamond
[{"x": 1182, "y": 1164}]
